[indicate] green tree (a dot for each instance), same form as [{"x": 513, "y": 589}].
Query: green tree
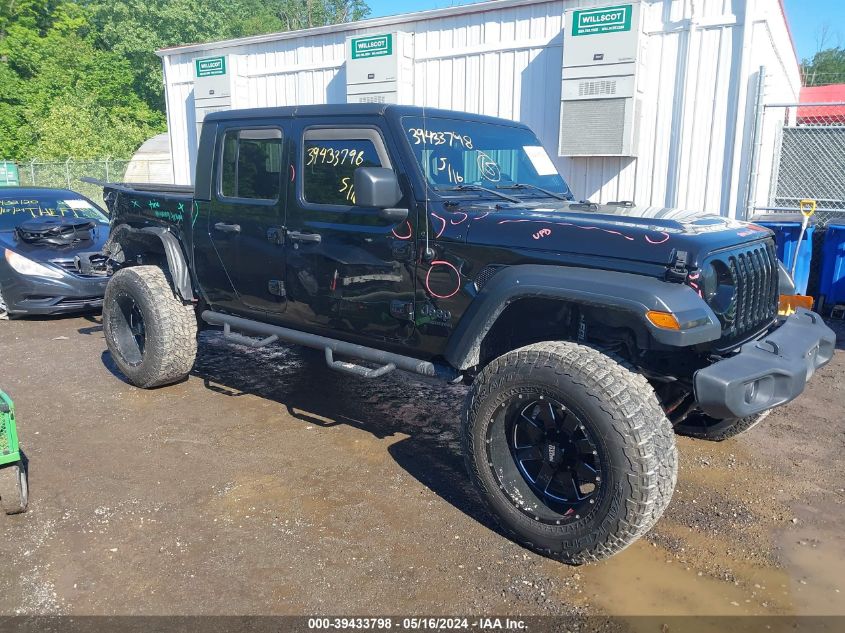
[
  {"x": 826, "y": 67},
  {"x": 137, "y": 28},
  {"x": 80, "y": 78},
  {"x": 60, "y": 96}
]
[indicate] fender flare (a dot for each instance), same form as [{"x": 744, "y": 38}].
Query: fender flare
[
  {"x": 626, "y": 292},
  {"x": 176, "y": 263}
]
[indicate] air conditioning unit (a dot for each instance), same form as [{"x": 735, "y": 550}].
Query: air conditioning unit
[
  {"x": 380, "y": 68},
  {"x": 213, "y": 79},
  {"x": 598, "y": 110}
]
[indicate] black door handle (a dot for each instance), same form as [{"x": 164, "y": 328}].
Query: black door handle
[
  {"x": 228, "y": 228},
  {"x": 296, "y": 236}
]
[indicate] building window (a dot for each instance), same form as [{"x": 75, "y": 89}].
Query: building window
[
  {"x": 252, "y": 164},
  {"x": 330, "y": 158}
]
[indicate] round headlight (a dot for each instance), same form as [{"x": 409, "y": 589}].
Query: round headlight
[{"x": 717, "y": 285}]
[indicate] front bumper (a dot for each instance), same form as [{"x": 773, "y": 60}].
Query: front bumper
[
  {"x": 29, "y": 294},
  {"x": 767, "y": 372}
]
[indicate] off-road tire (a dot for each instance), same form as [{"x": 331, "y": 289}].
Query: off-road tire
[
  {"x": 703, "y": 427},
  {"x": 621, "y": 410},
  {"x": 170, "y": 327}
]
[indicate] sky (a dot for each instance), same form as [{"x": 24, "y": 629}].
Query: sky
[{"x": 805, "y": 18}]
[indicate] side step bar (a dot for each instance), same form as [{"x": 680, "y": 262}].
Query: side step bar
[{"x": 272, "y": 333}]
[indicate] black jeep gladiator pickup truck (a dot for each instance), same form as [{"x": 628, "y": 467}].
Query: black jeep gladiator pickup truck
[{"x": 447, "y": 244}]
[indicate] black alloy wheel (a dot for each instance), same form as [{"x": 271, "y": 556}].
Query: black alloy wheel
[
  {"x": 555, "y": 460},
  {"x": 131, "y": 331}
]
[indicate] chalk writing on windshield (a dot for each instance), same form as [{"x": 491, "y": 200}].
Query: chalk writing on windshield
[
  {"x": 35, "y": 209},
  {"x": 488, "y": 168},
  {"x": 15, "y": 203},
  {"x": 444, "y": 167},
  {"x": 429, "y": 137}
]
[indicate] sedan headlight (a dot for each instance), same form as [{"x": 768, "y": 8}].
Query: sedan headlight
[{"x": 26, "y": 266}]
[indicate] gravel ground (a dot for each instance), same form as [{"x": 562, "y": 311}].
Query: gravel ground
[{"x": 267, "y": 484}]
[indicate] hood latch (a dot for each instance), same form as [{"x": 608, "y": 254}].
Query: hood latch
[{"x": 678, "y": 271}]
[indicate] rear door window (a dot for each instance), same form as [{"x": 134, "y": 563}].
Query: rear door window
[{"x": 251, "y": 164}]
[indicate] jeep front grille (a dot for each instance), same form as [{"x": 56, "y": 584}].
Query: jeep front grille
[{"x": 752, "y": 272}]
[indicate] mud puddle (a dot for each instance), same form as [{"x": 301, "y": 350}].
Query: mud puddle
[{"x": 814, "y": 554}]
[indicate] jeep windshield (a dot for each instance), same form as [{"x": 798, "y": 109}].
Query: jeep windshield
[
  {"x": 473, "y": 156},
  {"x": 20, "y": 208}
]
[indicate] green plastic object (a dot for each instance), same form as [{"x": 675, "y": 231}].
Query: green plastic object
[
  {"x": 14, "y": 486},
  {"x": 9, "y": 449},
  {"x": 9, "y": 175}
]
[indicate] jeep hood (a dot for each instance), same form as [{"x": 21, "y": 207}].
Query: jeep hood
[{"x": 644, "y": 234}]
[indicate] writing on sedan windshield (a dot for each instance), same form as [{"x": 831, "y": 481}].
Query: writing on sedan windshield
[
  {"x": 36, "y": 208},
  {"x": 13, "y": 203},
  {"x": 15, "y": 210},
  {"x": 19, "y": 206}
]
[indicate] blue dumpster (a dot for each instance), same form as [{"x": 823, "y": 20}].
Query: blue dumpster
[
  {"x": 787, "y": 228},
  {"x": 832, "y": 282}
]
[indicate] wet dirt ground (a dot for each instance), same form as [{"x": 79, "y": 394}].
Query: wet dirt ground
[{"x": 268, "y": 484}]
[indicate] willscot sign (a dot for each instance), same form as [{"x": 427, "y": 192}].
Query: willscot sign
[
  {"x": 375, "y": 46},
  {"x": 604, "y": 20},
  {"x": 210, "y": 66}
]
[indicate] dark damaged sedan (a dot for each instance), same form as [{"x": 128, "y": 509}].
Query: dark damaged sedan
[{"x": 43, "y": 232}]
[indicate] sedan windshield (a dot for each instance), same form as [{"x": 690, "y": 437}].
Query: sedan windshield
[
  {"x": 15, "y": 209},
  {"x": 465, "y": 156}
]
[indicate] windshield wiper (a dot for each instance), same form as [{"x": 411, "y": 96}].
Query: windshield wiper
[
  {"x": 522, "y": 185},
  {"x": 485, "y": 190}
]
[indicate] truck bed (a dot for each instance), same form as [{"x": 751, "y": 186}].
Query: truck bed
[
  {"x": 151, "y": 203},
  {"x": 151, "y": 187},
  {"x": 143, "y": 187}
]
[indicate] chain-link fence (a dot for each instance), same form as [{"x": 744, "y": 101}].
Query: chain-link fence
[
  {"x": 799, "y": 155},
  {"x": 66, "y": 174}
]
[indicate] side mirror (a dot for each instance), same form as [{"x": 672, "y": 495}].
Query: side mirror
[{"x": 376, "y": 187}]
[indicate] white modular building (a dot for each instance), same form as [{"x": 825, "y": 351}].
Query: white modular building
[{"x": 652, "y": 101}]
